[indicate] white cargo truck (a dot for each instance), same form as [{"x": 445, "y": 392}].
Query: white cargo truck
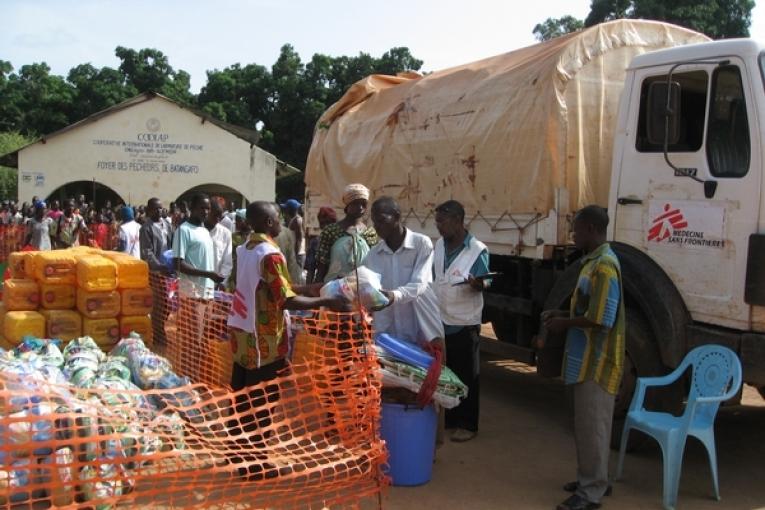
[{"x": 656, "y": 123}]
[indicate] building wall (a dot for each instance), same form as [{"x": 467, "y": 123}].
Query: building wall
[{"x": 154, "y": 148}]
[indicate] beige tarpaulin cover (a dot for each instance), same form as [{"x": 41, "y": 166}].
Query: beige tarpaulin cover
[{"x": 500, "y": 135}]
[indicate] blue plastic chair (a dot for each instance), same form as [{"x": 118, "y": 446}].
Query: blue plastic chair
[{"x": 716, "y": 377}]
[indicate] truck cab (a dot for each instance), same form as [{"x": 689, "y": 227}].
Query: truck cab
[{"x": 687, "y": 184}]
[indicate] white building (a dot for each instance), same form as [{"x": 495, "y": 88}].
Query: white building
[{"x": 148, "y": 146}]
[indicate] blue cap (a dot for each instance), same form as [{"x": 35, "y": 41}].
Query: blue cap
[
  {"x": 291, "y": 204},
  {"x": 127, "y": 214}
]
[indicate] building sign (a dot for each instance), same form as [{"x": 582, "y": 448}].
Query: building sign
[
  {"x": 685, "y": 224},
  {"x": 151, "y": 151},
  {"x": 37, "y": 179}
]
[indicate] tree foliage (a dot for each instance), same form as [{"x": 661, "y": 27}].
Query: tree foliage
[
  {"x": 555, "y": 27},
  {"x": 283, "y": 102},
  {"x": 9, "y": 142},
  {"x": 719, "y": 19}
]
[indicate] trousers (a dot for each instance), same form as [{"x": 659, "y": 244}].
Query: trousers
[
  {"x": 593, "y": 417},
  {"x": 462, "y": 356}
]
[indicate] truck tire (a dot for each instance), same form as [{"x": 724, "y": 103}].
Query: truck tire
[
  {"x": 641, "y": 359},
  {"x": 504, "y": 329}
]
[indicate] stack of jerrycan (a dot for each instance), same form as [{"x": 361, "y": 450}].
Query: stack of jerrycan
[{"x": 81, "y": 291}]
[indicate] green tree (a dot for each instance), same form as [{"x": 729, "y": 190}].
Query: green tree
[
  {"x": 9, "y": 142},
  {"x": 607, "y": 10},
  {"x": 97, "y": 89},
  {"x": 148, "y": 70},
  {"x": 556, "y": 27},
  {"x": 34, "y": 101},
  {"x": 719, "y": 19},
  {"x": 283, "y": 102},
  {"x": 238, "y": 94}
]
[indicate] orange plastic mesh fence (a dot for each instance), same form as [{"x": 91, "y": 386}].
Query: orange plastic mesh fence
[
  {"x": 306, "y": 439},
  {"x": 11, "y": 239}
]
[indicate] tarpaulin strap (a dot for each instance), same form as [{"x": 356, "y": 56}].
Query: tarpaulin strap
[{"x": 429, "y": 385}]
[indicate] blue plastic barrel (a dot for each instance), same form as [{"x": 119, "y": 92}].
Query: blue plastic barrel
[{"x": 410, "y": 435}]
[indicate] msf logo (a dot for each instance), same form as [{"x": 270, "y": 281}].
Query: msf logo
[{"x": 666, "y": 224}]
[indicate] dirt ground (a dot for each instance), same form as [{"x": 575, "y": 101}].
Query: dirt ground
[{"x": 524, "y": 453}]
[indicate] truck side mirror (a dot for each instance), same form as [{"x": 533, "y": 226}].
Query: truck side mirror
[{"x": 658, "y": 113}]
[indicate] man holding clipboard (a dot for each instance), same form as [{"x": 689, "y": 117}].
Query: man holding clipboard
[{"x": 461, "y": 267}]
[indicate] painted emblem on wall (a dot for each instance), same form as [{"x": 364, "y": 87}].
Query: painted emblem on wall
[{"x": 153, "y": 124}]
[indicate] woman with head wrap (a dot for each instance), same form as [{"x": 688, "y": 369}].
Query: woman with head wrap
[{"x": 343, "y": 245}]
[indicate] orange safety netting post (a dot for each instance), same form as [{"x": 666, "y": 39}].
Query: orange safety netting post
[{"x": 307, "y": 439}]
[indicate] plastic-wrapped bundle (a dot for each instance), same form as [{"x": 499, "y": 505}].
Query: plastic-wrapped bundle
[
  {"x": 115, "y": 367},
  {"x": 14, "y": 481},
  {"x": 176, "y": 399},
  {"x": 23, "y": 432},
  {"x": 47, "y": 351},
  {"x": 170, "y": 425},
  {"x": 57, "y": 472},
  {"x": 125, "y": 346},
  {"x": 84, "y": 343},
  {"x": 82, "y": 356},
  {"x": 368, "y": 285},
  {"x": 147, "y": 368},
  {"x": 399, "y": 374},
  {"x": 103, "y": 482},
  {"x": 121, "y": 394},
  {"x": 28, "y": 381}
]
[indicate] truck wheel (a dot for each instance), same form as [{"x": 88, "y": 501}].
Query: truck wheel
[
  {"x": 504, "y": 329},
  {"x": 642, "y": 359}
]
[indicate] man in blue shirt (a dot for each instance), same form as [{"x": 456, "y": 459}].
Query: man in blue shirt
[{"x": 460, "y": 260}]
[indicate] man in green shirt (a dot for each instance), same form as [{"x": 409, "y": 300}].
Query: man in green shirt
[{"x": 594, "y": 359}]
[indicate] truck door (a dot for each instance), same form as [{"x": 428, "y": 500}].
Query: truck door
[{"x": 700, "y": 241}]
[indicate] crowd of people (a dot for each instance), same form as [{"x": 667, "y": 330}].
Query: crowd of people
[
  {"x": 434, "y": 298},
  {"x": 262, "y": 256},
  {"x": 73, "y": 222}
]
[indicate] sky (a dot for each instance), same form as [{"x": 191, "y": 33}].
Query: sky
[{"x": 201, "y": 35}]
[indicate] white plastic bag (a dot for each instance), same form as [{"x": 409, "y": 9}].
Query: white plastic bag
[{"x": 368, "y": 286}]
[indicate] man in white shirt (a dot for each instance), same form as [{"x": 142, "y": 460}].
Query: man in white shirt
[
  {"x": 221, "y": 238},
  {"x": 404, "y": 259},
  {"x": 228, "y": 219},
  {"x": 130, "y": 232}
]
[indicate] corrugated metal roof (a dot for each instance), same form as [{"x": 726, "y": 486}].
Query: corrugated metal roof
[{"x": 249, "y": 135}]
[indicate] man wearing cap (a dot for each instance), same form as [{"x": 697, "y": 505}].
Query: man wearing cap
[
  {"x": 129, "y": 233},
  {"x": 343, "y": 245},
  {"x": 294, "y": 222}
]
